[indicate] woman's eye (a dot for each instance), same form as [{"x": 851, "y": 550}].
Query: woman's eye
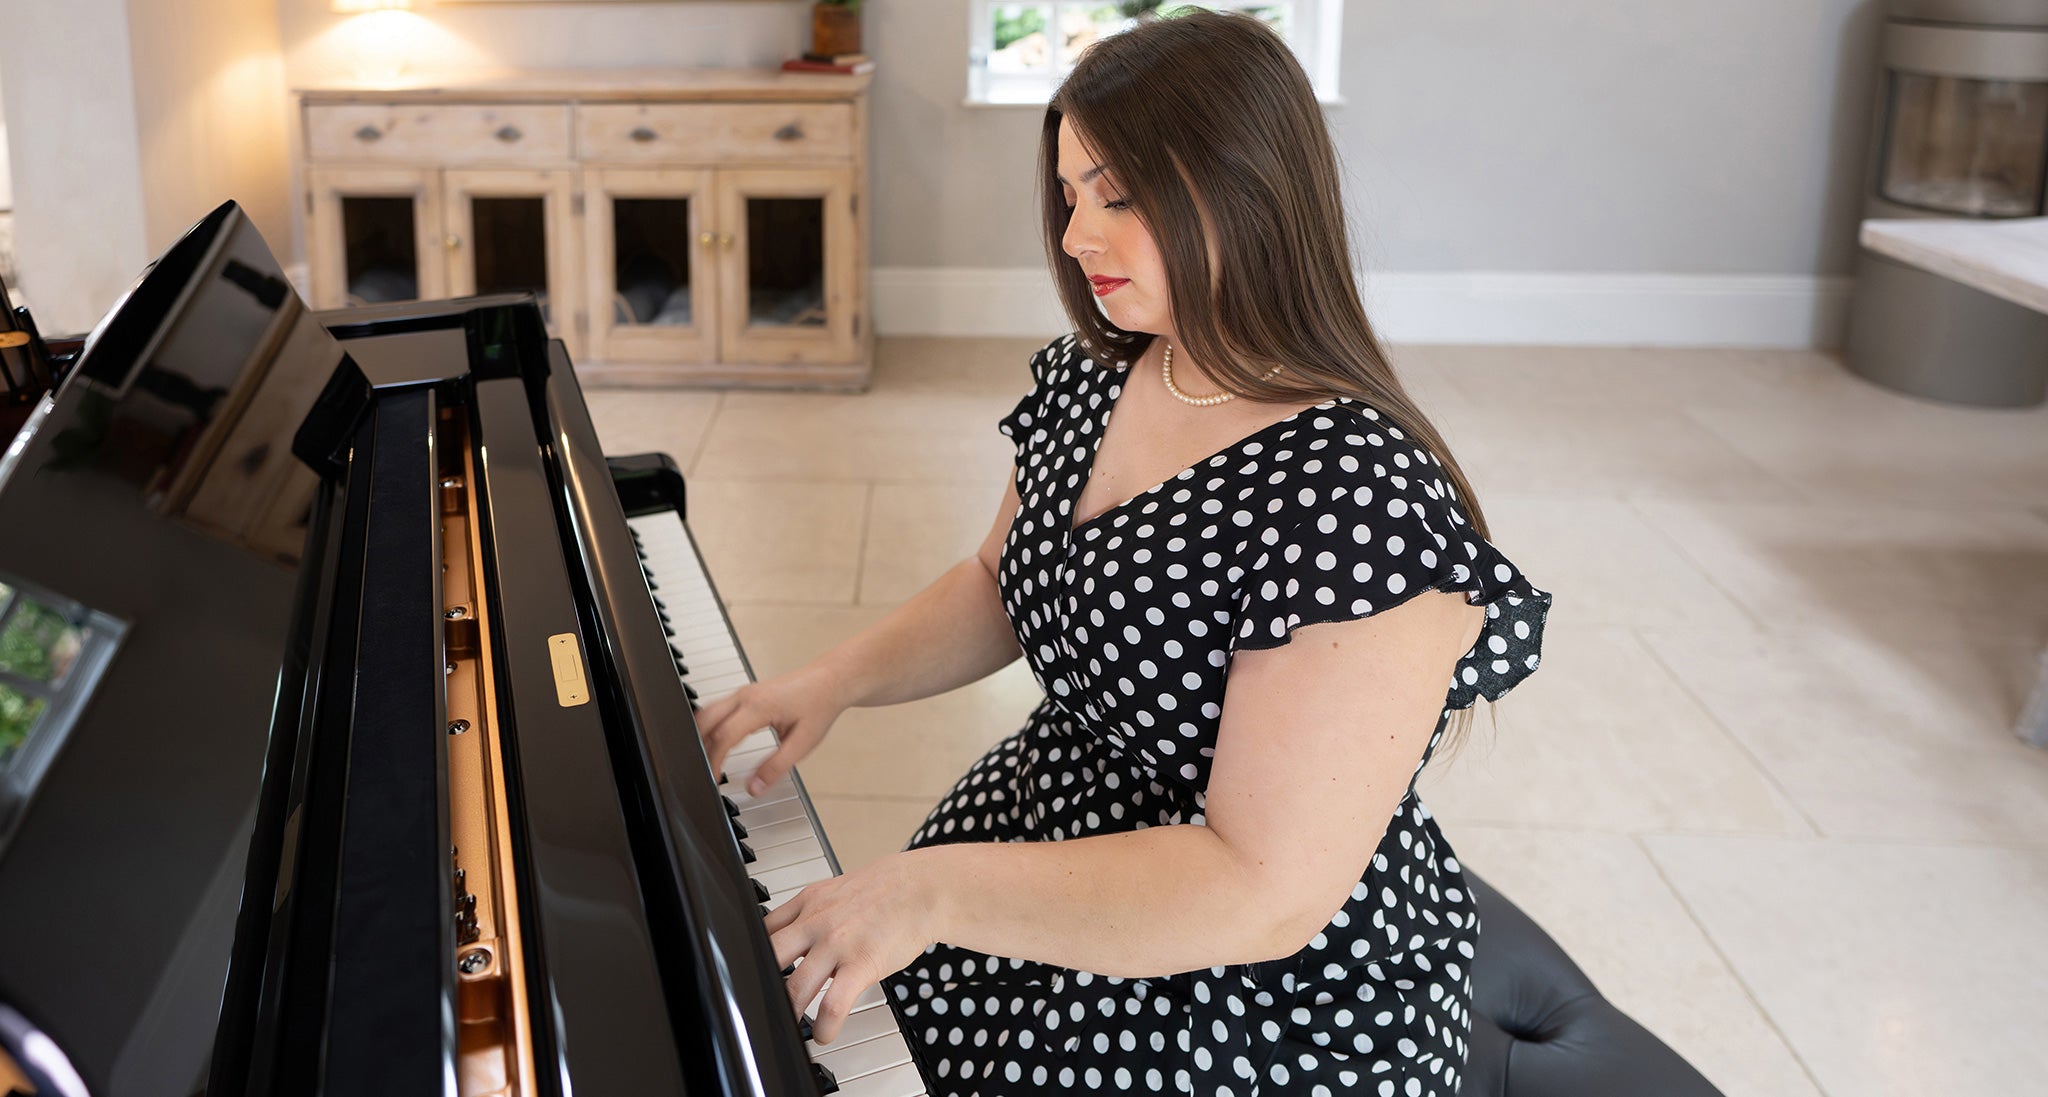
[{"x": 1120, "y": 203}]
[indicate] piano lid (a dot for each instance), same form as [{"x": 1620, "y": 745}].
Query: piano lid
[{"x": 151, "y": 519}]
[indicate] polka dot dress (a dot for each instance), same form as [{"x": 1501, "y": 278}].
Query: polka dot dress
[{"x": 1129, "y": 623}]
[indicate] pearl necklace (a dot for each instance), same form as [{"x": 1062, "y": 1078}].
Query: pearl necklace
[{"x": 1210, "y": 401}]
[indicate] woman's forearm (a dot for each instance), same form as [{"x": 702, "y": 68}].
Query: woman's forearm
[
  {"x": 1145, "y": 903},
  {"x": 951, "y": 633}
]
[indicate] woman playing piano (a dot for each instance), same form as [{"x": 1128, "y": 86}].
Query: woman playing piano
[{"x": 1258, "y": 596}]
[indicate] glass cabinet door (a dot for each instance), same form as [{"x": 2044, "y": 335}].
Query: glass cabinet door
[
  {"x": 512, "y": 231},
  {"x": 787, "y": 262},
  {"x": 649, "y": 234},
  {"x": 376, "y": 234}
]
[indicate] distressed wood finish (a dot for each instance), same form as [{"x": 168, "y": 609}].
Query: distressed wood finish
[{"x": 716, "y": 137}]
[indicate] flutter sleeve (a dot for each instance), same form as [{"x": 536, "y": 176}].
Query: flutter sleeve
[
  {"x": 1034, "y": 409},
  {"x": 1365, "y": 530}
]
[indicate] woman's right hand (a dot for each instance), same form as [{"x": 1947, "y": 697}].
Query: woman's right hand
[{"x": 800, "y": 705}]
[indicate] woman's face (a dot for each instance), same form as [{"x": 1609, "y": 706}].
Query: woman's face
[{"x": 1109, "y": 241}]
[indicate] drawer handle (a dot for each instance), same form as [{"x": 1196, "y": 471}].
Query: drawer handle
[
  {"x": 509, "y": 134},
  {"x": 368, "y": 134},
  {"x": 792, "y": 132},
  {"x": 642, "y": 134},
  {"x": 707, "y": 238}
]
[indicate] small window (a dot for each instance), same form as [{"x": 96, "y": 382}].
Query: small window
[
  {"x": 52, "y": 651},
  {"x": 1019, "y": 50}
]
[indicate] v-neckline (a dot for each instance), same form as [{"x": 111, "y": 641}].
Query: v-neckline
[{"x": 1102, "y": 431}]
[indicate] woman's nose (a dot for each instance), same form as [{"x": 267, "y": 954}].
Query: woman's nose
[{"x": 1080, "y": 239}]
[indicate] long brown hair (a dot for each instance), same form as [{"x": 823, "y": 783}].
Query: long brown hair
[{"x": 1217, "y": 140}]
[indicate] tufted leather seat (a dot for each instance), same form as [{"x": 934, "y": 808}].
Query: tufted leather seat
[{"x": 1540, "y": 1029}]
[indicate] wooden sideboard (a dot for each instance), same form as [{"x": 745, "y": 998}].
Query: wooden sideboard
[{"x": 685, "y": 227}]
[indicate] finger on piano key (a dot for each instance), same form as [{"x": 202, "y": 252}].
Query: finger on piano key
[
  {"x": 860, "y": 1025},
  {"x": 760, "y": 739},
  {"x": 896, "y": 1081},
  {"x": 740, "y": 765}
]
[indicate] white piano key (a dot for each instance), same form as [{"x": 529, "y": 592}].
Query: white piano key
[
  {"x": 774, "y": 811},
  {"x": 902, "y": 1080},
  {"x": 796, "y": 875},
  {"x": 855, "y": 1060},
  {"x": 870, "y": 1057},
  {"x": 783, "y": 832},
  {"x": 782, "y": 856}
]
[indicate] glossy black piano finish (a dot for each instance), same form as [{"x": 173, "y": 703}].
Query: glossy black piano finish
[{"x": 230, "y": 877}]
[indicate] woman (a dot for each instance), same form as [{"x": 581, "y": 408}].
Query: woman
[{"x": 1255, "y": 605}]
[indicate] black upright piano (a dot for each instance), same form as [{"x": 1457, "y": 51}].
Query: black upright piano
[{"x": 346, "y": 737}]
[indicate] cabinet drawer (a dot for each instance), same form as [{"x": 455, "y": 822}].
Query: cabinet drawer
[
  {"x": 703, "y": 132},
  {"x": 438, "y": 133}
]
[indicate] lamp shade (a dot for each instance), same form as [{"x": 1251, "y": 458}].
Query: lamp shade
[{"x": 357, "y": 7}]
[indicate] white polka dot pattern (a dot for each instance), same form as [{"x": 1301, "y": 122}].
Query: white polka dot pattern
[{"x": 1129, "y": 621}]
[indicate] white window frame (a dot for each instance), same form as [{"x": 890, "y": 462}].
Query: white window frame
[{"x": 1317, "y": 31}]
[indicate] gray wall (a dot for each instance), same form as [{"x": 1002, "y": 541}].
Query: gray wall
[{"x": 1683, "y": 136}]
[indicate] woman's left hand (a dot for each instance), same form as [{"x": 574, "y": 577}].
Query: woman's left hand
[{"x": 854, "y": 929}]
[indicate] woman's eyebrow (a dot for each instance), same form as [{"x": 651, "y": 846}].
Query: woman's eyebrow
[{"x": 1086, "y": 176}]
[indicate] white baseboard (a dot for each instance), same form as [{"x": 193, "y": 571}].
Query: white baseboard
[{"x": 1673, "y": 310}]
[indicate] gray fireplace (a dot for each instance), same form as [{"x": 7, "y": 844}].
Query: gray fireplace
[{"x": 1961, "y": 131}]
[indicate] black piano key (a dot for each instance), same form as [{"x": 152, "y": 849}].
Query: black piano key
[
  {"x": 687, "y": 687},
  {"x": 789, "y": 971},
  {"x": 826, "y": 1082},
  {"x": 668, "y": 628},
  {"x": 659, "y": 604},
  {"x": 739, "y": 829},
  {"x": 732, "y": 810},
  {"x": 760, "y": 892},
  {"x": 747, "y": 853},
  {"x": 803, "y": 1025},
  {"x": 651, "y": 584},
  {"x": 675, "y": 651},
  {"x": 722, "y": 780}
]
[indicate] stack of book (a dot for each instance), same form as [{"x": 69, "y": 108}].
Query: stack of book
[{"x": 837, "y": 62}]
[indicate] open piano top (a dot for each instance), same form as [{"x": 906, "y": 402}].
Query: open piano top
[{"x": 352, "y": 752}]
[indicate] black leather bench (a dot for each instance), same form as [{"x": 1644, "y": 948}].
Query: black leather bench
[{"x": 1541, "y": 1029}]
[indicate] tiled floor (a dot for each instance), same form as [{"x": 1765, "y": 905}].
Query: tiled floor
[{"x": 1764, "y": 789}]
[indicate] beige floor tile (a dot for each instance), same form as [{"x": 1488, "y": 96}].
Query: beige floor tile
[
  {"x": 779, "y": 541},
  {"x": 1847, "y": 566},
  {"x": 1657, "y": 965},
  {"x": 1895, "y": 969},
  {"x": 1606, "y": 452},
  {"x": 917, "y": 531},
  {"x": 915, "y": 750},
  {"x": 1604, "y": 564},
  {"x": 865, "y": 828},
  {"x": 779, "y": 638},
  {"x": 877, "y": 436},
  {"x": 1571, "y": 379},
  {"x": 921, "y": 748},
  {"x": 1601, "y": 738},
  {"x": 640, "y": 421},
  {"x": 1869, "y": 444},
  {"x": 1909, "y": 741}
]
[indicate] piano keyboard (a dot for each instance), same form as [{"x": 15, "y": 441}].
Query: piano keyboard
[{"x": 780, "y": 830}]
